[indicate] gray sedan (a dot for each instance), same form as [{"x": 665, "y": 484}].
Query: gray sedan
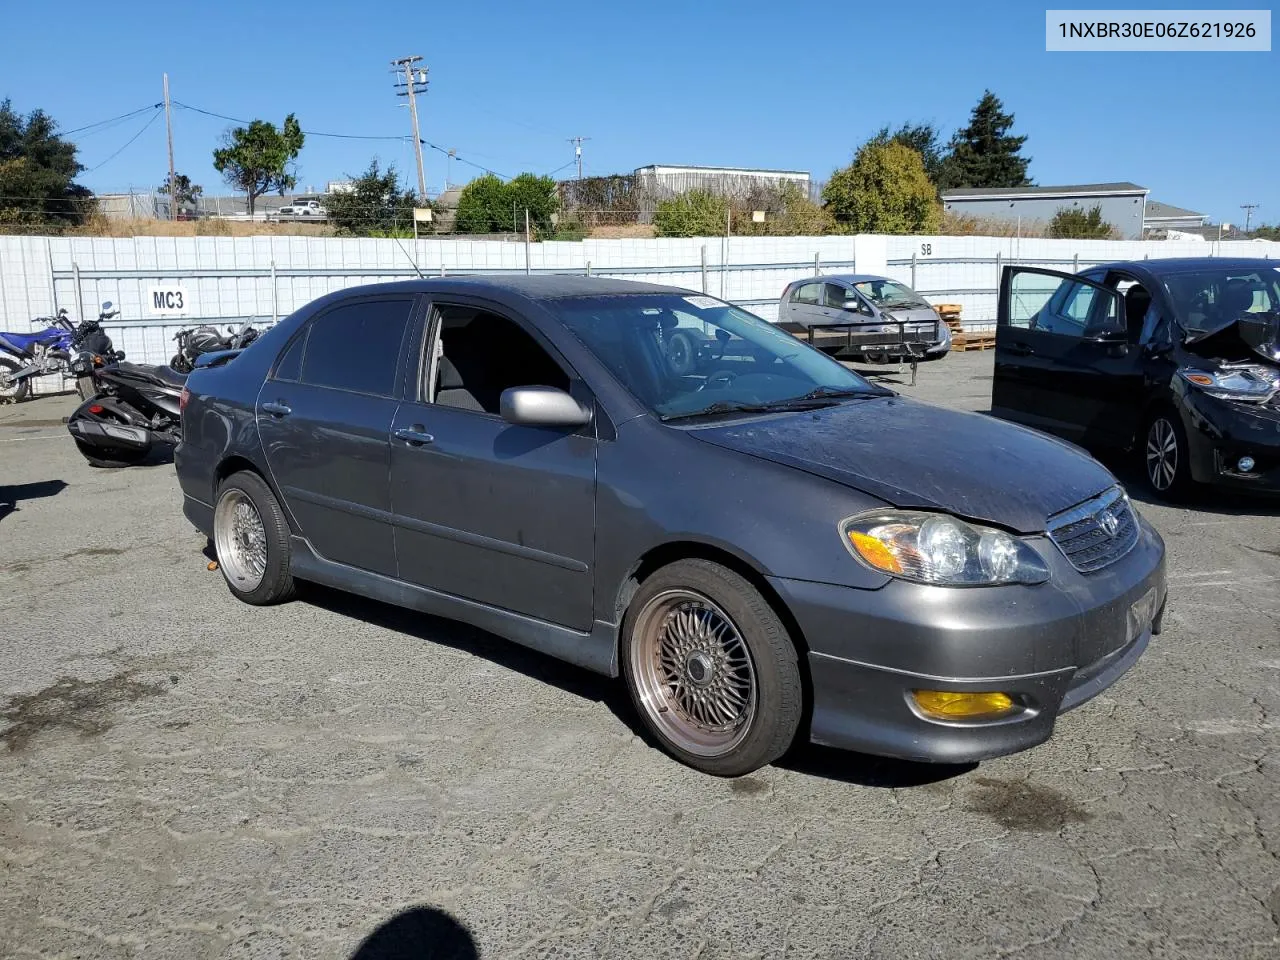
[
  {"x": 763, "y": 547},
  {"x": 863, "y": 317}
]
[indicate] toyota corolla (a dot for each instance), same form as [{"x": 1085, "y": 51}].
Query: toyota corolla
[{"x": 766, "y": 547}]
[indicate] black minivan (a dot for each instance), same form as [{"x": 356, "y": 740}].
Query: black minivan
[{"x": 1178, "y": 359}]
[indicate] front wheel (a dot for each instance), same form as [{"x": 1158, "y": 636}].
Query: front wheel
[
  {"x": 10, "y": 391},
  {"x": 711, "y": 669},
  {"x": 1167, "y": 456},
  {"x": 251, "y": 537}
]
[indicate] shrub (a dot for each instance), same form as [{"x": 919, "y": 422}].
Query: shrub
[
  {"x": 693, "y": 214},
  {"x": 884, "y": 190},
  {"x": 1076, "y": 224}
]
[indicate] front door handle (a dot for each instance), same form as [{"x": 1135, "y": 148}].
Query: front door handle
[
  {"x": 277, "y": 409},
  {"x": 414, "y": 436},
  {"x": 1020, "y": 350}
]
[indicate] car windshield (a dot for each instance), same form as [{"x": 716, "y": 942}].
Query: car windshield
[
  {"x": 687, "y": 356},
  {"x": 889, "y": 293},
  {"x": 1210, "y": 300}
]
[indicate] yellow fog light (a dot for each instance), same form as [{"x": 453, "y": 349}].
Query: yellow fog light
[{"x": 957, "y": 705}]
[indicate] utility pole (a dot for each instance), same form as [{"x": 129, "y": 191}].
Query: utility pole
[
  {"x": 577, "y": 151},
  {"x": 1248, "y": 209},
  {"x": 168, "y": 122},
  {"x": 415, "y": 82}
]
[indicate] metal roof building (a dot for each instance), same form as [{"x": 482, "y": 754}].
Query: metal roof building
[{"x": 1123, "y": 204}]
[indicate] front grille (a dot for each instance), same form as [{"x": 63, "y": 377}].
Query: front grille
[{"x": 1081, "y": 533}]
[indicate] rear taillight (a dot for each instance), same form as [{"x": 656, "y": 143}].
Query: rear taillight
[
  {"x": 182, "y": 400},
  {"x": 96, "y": 409}
]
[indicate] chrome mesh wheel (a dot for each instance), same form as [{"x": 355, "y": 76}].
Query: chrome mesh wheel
[
  {"x": 240, "y": 540},
  {"x": 693, "y": 673}
]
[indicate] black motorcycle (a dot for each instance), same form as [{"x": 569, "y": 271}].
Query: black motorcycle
[
  {"x": 206, "y": 339},
  {"x": 135, "y": 407}
]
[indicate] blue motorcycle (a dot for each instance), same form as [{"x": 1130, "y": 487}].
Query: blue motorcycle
[{"x": 24, "y": 356}]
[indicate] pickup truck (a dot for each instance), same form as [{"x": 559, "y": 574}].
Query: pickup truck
[{"x": 302, "y": 208}]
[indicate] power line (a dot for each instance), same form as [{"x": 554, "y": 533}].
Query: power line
[
  {"x": 309, "y": 133},
  {"x": 350, "y": 136},
  {"x": 99, "y": 123},
  {"x": 127, "y": 142}
]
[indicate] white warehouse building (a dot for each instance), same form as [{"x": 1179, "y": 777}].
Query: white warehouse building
[{"x": 666, "y": 180}]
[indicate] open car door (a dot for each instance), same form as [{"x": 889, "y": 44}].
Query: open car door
[{"x": 1059, "y": 341}]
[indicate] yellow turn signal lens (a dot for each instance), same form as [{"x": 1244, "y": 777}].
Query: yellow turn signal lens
[
  {"x": 1201, "y": 379},
  {"x": 957, "y": 705},
  {"x": 874, "y": 552}
]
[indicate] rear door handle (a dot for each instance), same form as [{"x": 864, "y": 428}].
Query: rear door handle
[
  {"x": 414, "y": 436},
  {"x": 277, "y": 409},
  {"x": 1020, "y": 350}
]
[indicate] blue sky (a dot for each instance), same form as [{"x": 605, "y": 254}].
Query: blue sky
[{"x": 738, "y": 84}]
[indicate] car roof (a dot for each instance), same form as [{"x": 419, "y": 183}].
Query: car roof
[
  {"x": 523, "y": 286},
  {"x": 1167, "y": 266},
  {"x": 845, "y": 278}
]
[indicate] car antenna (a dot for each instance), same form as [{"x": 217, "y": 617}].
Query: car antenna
[{"x": 412, "y": 262}]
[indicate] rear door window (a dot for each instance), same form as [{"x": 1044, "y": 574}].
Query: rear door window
[{"x": 356, "y": 346}]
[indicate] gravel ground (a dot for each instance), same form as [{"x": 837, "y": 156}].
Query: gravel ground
[{"x": 185, "y": 776}]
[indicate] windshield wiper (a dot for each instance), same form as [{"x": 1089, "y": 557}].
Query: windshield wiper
[
  {"x": 720, "y": 406},
  {"x": 833, "y": 393}
]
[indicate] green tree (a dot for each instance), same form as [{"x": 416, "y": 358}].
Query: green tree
[
  {"x": 38, "y": 171},
  {"x": 884, "y": 190},
  {"x": 1076, "y": 224},
  {"x": 258, "y": 158},
  {"x": 923, "y": 138},
  {"x": 484, "y": 206},
  {"x": 984, "y": 154},
  {"x": 696, "y": 213},
  {"x": 375, "y": 203},
  {"x": 188, "y": 193},
  {"x": 1266, "y": 232},
  {"x": 536, "y": 194}
]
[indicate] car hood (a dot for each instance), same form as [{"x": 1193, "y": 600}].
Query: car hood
[{"x": 917, "y": 456}]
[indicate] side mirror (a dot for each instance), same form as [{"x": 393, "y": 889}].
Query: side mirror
[
  {"x": 542, "y": 407},
  {"x": 851, "y": 305},
  {"x": 722, "y": 334}
]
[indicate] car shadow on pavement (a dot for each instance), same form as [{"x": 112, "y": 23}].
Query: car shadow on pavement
[
  {"x": 419, "y": 933},
  {"x": 843, "y": 765},
  {"x": 864, "y": 770},
  {"x": 13, "y": 494},
  {"x": 479, "y": 643}
]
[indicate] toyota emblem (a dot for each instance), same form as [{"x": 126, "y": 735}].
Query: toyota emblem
[{"x": 1110, "y": 525}]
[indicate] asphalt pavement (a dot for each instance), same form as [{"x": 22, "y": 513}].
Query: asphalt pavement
[{"x": 184, "y": 776}]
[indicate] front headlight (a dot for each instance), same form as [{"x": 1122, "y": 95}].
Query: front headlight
[
  {"x": 1251, "y": 384},
  {"x": 941, "y": 550}
]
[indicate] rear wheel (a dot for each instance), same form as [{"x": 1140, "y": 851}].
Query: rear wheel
[
  {"x": 12, "y": 392},
  {"x": 251, "y": 537},
  {"x": 1166, "y": 456},
  {"x": 711, "y": 669}
]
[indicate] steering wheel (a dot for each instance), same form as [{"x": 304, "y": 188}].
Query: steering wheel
[{"x": 727, "y": 376}]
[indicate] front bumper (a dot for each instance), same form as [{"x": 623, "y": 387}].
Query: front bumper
[
  {"x": 1051, "y": 647},
  {"x": 1221, "y": 432}
]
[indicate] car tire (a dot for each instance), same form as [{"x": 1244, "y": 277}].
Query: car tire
[
  {"x": 711, "y": 668},
  {"x": 21, "y": 391},
  {"x": 1166, "y": 456},
  {"x": 251, "y": 540}
]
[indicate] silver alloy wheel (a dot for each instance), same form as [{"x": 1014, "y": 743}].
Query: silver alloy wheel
[
  {"x": 240, "y": 540},
  {"x": 693, "y": 673},
  {"x": 1162, "y": 454}
]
